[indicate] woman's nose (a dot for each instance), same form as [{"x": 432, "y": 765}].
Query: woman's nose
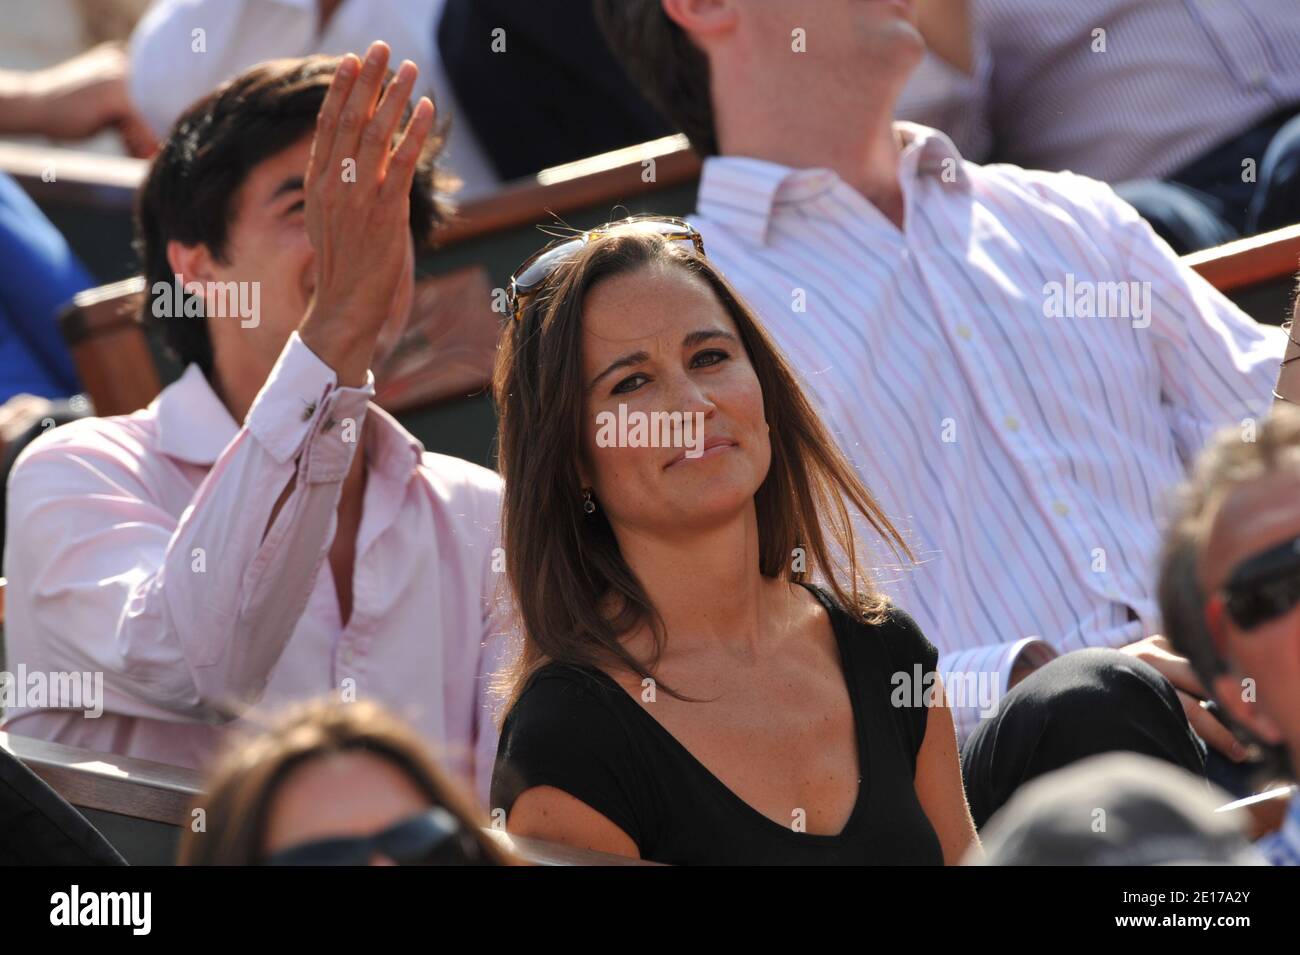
[{"x": 687, "y": 395}]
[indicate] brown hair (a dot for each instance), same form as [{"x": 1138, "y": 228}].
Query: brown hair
[
  {"x": 189, "y": 191},
  {"x": 664, "y": 64},
  {"x": 242, "y": 785},
  {"x": 562, "y": 565}
]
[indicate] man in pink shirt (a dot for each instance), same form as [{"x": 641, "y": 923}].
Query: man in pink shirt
[{"x": 261, "y": 533}]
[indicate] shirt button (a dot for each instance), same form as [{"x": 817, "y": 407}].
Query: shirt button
[
  {"x": 1012, "y": 422},
  {"x": 1061, "y": 508},
  {"x": 964, "y": 332}
]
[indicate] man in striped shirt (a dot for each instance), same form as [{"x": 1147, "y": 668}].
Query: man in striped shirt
[{"x": 1016, "y": 364}]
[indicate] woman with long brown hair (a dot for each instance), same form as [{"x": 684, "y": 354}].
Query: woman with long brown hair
[
  {"x": 334, "y": 783},
  {"x": 684, "y": 692}
]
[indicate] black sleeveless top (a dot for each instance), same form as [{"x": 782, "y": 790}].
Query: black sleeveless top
[{"x": 576, "y": 729}]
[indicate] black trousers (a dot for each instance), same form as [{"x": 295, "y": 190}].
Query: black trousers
[
  {"x": 1078, "y": 705},
  {"x": 1211, "y": 200}
]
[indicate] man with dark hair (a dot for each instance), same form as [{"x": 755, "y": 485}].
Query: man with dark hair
[
  {"x": 1230, "y": 591},
  {"x": 1013, "y": 360},
  {"x": 188, "y": 198},
  {"x": 260, "y": 533}
]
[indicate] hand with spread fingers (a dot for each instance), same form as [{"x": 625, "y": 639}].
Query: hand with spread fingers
[{"x": 357, "y": 186}]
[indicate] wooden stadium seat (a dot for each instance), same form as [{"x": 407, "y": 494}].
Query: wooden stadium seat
[
  {"x": 1247, "y": 262},
  {"x": 103, "y": 331},
  {"x": 446, "y": 352},
  {"x": 660, "y": 176}
]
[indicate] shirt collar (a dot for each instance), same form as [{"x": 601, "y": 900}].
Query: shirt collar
[
  {"x": 194, "y": 426},
  {"x": 390, "y": 448},
  {"x": 740, "y": 192}
]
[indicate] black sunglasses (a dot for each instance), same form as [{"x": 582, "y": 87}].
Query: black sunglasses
[
  {"x": 538, "y": 266},
  {"x": 435, "y": 837},
  {"x": 1264, "y": 587}
]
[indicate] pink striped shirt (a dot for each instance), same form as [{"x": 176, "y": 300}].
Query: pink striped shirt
[
  {"x": 138, "y": 548},
  {"x": 1024, "y": 448}
]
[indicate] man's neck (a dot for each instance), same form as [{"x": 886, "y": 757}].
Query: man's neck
[
  {"x": 235, "y": 390},
  {"x": 857, "y": 142}
]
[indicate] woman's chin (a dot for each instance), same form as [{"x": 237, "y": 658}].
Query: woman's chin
[{"x": 713, "y": 507}]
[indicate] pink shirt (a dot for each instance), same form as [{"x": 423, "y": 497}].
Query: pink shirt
[{"x": 138, "y": 547}]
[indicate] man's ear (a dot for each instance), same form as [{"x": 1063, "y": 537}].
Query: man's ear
[
  {"x": 1236, "y": 694},
  {"x": 703, "y": 18},
  {"x": 193, "y": 263}
]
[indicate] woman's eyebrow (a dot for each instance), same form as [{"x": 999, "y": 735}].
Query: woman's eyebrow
[
  {"x": 632, "y": 358},
  {"x": 635, "y": 358},
  {"x": 706, "y": 334}
]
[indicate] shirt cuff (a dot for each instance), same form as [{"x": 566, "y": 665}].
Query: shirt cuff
[
  {"x": 302, "y": 408},
  {"x": 976, "y": 680}
]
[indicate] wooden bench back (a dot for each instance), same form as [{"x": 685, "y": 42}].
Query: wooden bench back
[{"x": 119, "y": 371}]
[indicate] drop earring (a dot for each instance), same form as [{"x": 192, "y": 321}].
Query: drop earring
[{"x": 588, "y": 505}]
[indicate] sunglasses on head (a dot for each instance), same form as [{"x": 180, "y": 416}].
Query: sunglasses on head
[
  {"x": 1263, "y": 587},
  {"x": 538, "y": 266},
  {"x": 435, "y": 837}
]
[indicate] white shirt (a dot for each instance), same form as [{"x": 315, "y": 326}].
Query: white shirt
[
  {"x": 138, "y": 547},
  {"x": 1025, "y": 457},
  {"x": 172, "y": 65}
]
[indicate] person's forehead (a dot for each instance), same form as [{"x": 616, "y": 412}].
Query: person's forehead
[
  {"x": 338, "y": 793},
  {"x": 659, "y": 299},
  {"x": 267, "y": 175},
  {"x": 1252, "y": 517},
  {"x": 366, "y": 778}
]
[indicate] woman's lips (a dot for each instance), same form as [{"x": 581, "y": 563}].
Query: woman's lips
[{"x": 712, "y": 447}]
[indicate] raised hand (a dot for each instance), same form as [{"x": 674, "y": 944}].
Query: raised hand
[{"x": 358, "y": 186}]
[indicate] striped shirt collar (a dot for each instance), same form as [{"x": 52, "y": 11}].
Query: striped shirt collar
[{"x": 741, "y": 192}]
